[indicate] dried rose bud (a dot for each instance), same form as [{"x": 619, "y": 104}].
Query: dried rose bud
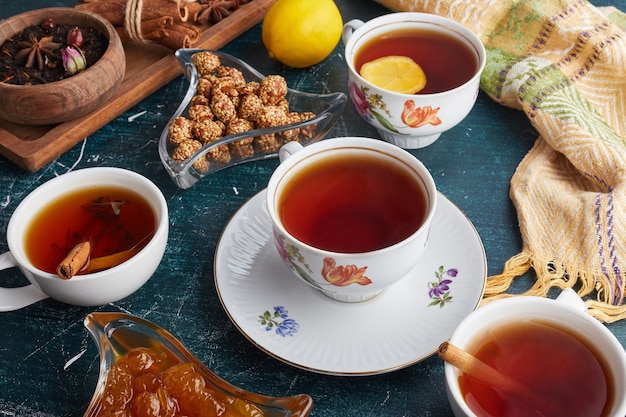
[
  {"x": 48, "y": 24},
  {"x": 73, "y": 60},
  {"x": 75, "y": 37}
]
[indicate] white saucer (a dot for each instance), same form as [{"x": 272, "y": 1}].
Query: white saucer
[{"x": 296, "y": 324}]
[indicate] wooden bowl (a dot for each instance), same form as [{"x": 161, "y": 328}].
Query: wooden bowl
[{"x": 72, "y": 97}]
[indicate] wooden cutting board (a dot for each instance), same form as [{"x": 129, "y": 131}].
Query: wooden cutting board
[{"x": 148, "y": 68}]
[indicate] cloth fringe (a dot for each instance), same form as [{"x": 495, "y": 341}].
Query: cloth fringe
[{"x": 550, "y": 275}]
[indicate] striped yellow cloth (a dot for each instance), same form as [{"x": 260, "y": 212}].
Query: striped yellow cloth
[{"x": 564, "y": 64}]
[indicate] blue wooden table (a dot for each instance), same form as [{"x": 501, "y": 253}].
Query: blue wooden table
[{"x": 48, "y": 362}]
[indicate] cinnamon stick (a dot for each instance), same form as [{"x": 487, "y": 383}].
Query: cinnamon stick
[
  {"x": 170, "y": 23},
  {"x": 113, "y": 11},
  {"x": 155, "y": 24},
  {"x": 193, "y": 9},
  {"x": 182, "y": 35},
  {"x": 477, "y": 369},
  {"x": 109, "y": 261},
  {"x": 157, "y": 8},
  {"x": 77, "y": 260},
  {"x": 74, "y": 261}
]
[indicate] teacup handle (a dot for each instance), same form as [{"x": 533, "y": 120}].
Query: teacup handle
[
  {"x": 16, "y": 298},
  {"x": 569, "y": 297},
  {"x": 349, "y": 28},
  {"x": 288, "y": 149}
]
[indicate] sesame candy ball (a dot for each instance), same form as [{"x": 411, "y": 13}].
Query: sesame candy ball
[
  {"x": 249, "y": 106},
  {"x": 180, "y": 130},
  {"x": 266, "y": 143},
  {"x": 207, "y": 131},
  {"x": 223, "y": 107},
  {"x": 186, "y": 149},
  {"x": 204, "y": 87},
  {"x": 199, "y": 100},
  {"x": 272, "y": 89},
  {"x": 200, "y": 112},
  {"x": 206, "y": 62},
  {"x": 271, "y": 116},
  {"x": 232, "y": 73}
]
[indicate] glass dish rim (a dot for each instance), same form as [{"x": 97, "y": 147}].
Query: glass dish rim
[{"x": 184, "y": 174}]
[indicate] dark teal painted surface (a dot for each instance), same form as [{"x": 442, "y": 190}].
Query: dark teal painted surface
[{"x": 48, "y": 363}]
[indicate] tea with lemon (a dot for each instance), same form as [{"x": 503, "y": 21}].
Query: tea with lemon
[{"x": 446, "y": 61}]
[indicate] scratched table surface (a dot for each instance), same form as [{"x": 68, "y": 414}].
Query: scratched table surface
[{"x": 48, "y": 362}]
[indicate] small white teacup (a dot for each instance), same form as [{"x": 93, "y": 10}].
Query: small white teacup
[
  {"x": 415, "y": 120},
  {"x": 559, "y": 338},
  {"x": 89, "y": 289},
  {"x": 351, "y": 216}
]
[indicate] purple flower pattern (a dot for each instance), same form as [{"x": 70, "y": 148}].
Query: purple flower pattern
[
  {"x": 439, "y": 290},
  {"x": 279, "y": 321}
]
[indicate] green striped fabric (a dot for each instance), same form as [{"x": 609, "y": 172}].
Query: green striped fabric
[{"x": 564, "y": 64}]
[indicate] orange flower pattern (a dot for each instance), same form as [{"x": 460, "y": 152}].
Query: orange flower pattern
[
  {"x": 344, "y": 275},
  {"x": 419, "y": 116},
  {"x": 372, "y": 108}
]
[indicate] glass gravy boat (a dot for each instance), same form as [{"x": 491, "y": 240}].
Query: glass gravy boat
[
  {"x": 117, "y": 333},
  {"x": 326, "y": 107}
]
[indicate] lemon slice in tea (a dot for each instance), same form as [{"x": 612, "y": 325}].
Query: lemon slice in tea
[{"x": 396, "y": 73}]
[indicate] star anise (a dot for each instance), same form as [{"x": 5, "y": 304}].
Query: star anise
[
  {"x": 36, "y": 50},
  {"x": 215, "y": 10}
]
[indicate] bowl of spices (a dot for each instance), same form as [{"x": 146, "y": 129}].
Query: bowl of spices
[{"x": 57, "y": 64}]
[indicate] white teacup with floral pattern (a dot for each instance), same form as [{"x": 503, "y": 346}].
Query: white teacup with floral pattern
[
  {"x": 411, "y": 120},
  {"x": 350, "y": 277}
]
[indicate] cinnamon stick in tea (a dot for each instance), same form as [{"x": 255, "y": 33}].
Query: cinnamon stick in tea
[
  {"x": 74, "y": 261},
  {"x": 474, "y": 367},
  {"x": 109, "y": 261},
  {"x": 77, "y": 260}
]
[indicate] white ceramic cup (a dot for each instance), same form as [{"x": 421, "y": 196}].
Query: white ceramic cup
[
  {"x": 383, "y": 267},
  {"x": 410, "y": 120},
  {"x": 92, "y": 289},
  {"x": 567, "y": 311}
]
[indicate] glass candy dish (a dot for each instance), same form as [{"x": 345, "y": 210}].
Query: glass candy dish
[
  {"x": 116, "y": 334},
  {"x": 326, "y": 107}
]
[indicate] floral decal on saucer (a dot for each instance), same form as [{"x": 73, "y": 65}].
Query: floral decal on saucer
[
  {"x": 279, "y": 321},
  {"x": 344, "y": 275},
  {"x": 439, "y": 290},
  {"x": 372, "y": 106}
]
